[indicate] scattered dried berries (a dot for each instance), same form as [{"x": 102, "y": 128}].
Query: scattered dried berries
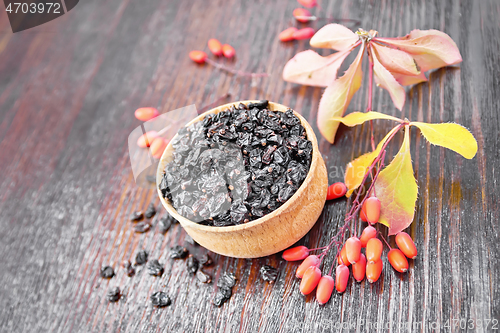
[
  {"x": 150, "y": 211},
  {"x": 107, "y": 272},
  {"x": 142, "y": 227},
  {"x": 136, "y": 216},
  {"x": 226, "y": 283},
  {"x": 160, "y": 299},
  {"x": 236, "y": 166},
  {"x": 192, "y": 264},
  {"x": 155, "y": 268},
  {"x": 128, "y": 267},
  {"x": 268, "y": 273},
  {"x": 164, "y": 223},
  {"x": 205, "y": 260},
  {"x": 113, "y": 294},
  {"x": 141, "y": 257},
  {"x": 178, "y": 252}
]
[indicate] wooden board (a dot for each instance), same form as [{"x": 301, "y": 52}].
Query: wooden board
[{"x": 68, "y": 90}]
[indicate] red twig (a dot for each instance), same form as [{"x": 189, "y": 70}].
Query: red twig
[{"x": 370, "y": 92}]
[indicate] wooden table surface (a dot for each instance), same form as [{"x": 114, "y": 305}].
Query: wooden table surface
[{"x": 68, "y": 90}]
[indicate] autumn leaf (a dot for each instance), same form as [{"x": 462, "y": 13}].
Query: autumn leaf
[
  {"x": 430, "y": 50},
  {"x": 451, "y": 136},
  {"x": 357, "y": 168},
  {"x": 334, "y": 36},
  {"x": 357, "y": 118},
  {"x": 397, "y": 190},
  {"x": 408, "y": 80},
  {"x": 395, "y": 61},
  {"x": 385, "y": 79},
  {"x": 337, "y": 97},
  {"x": 309, "y": 68}
]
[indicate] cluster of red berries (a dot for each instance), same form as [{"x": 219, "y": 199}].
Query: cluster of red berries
[
  {"x": 151, "y": 139},
  {"x": 367, "y": 265},
  {"x": 302, "y": 15},
  {"x": 216, "y": 48}
]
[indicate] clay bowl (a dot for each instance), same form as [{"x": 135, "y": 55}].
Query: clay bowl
[{"x": 273, "y": 232}]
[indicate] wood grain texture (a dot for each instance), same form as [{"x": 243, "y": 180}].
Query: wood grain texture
[{"x": 68, "y": 90}]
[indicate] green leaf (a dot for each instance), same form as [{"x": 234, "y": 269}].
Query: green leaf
[
  {"x": 397, "y": 190},
  {"x": 357, "y": 118},
  {"x": 356, "y": 169},
  {"x": 451, "y": 136}
]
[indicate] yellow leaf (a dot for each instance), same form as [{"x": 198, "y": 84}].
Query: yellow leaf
[
  {"x": 356, "y": 169},
  {"x": 451, "y": 136},
  {"x": 337, "y": 97},
  {"x": 397, "y": 190},
  {"x": 357, "y": 118}
]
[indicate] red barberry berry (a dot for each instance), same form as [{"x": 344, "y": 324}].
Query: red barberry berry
[
  {"x": 342, "y": 257},
  {"x": 325, "y": 289},
  {"x": 215, "y": 46},
  {"x": 158, "y": 146},
  {"x": 373, "y": 271},
  {"x": 198, "y": 57},
  {"x": 362, "y": 214},
  {"x": 302, "y": 15},
  {"x": 353, "y": 249},
  {"x": 308, "y": 3},
  {"x": 311, "y": 260},
  {"x": 287, "y": 34},
  {"x": 336, "y": 191},
  {"x": 368, "y": 233},
  {"x": 228, "y": 51},
  {"x": 310, "y": 280},
  {"x": 305, "y": 33},
  {"x": 145, "y": 114},
  {"x": 398, "y": 260},
  {"x": 359, "y": 268},
  {"x": 371, "y": 206},
  {"x": 406, "y": 245},
  {"x": 146, "y": 139},
  {"x": 296, "y": 253},
  {"x": 374, "y": 249},
  {"x": 341, "y": 278}
]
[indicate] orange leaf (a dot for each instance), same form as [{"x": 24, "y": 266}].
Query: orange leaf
[
  {"x": 385, "y": 79},
  {"x": 395, "y": 61},
  {"x": 407, "y": 80},
  {"x": 397, "y": 190},
  {"x": 334, "y": 36},
  {"x": 430, "y": 50},
  {"x": 337, "y": 97},
  {"x": 311, "y": 69}
]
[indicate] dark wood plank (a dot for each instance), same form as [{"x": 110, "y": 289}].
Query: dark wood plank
[{"x": 68, "y": 90}]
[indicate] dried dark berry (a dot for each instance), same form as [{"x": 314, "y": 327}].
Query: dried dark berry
[
  {"x": 142, "y": 227},
  {"x": 192, "y": 264},
  {"x": 205, "y": 260},
  {"x": 236, "y": 166},
  {"x": 178, "y": 252},
  {"x": 203, "y": 277},
  {"x": 113, "y": 294},
  {"x": 268, "y": 273},
  {"x": 107, "y": 272},
  {"x": 160, "y": 299},
  {"x": 164, "y": 223},
  {"x": 141, "y": 257},
  {"x": 128, "y": 267},
  {"x": 227, "y": 280},
  {"x": 136, "y": 216},
  {"x": 150, "y": 211},
  {"x": 155, "y": 268}
]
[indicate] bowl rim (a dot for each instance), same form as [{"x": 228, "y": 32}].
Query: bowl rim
[{"x": 311, "y": 136}]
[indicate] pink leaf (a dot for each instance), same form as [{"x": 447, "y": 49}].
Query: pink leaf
[
  {"x": 395, "y": 61},
  {"x": 337, "y": 97},
  {"x": 407, "y": 80},
  {"x": 430, "y": 50},
  {"x": 334, "y": 36},
  {"x": 385, "y": 79},
  {"x": 311, "y": 69}
]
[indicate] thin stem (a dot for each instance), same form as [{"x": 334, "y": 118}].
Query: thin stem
[
  {"x": 328, "y": 18},
  {"x": 370, "y": 92},
  {"x": 383, "y": 238},
  {"x": 234, "y": 71}
]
